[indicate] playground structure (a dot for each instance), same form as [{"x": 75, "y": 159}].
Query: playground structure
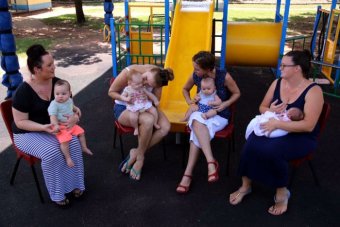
[
  {"x": 30, "y": 5},
  {"x": 326, "y": 59},
  {"x": 242, "y": 43}
]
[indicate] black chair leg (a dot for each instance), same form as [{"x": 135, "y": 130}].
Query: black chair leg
[
  {"x": 228, "y": 157},
  {"x": 185, "y": 151},
  {"x": 114, "y": 137},
  {"x": 313, "y": 173},
  {"x": 37, "y": 184},
  {"x": 292, "y": 176},
  {"x": 121, "y": 146},
  {"x": 164, "y": 149},
  {"x": 15, "y": 170},
  {"x": 233, "y": 142}
]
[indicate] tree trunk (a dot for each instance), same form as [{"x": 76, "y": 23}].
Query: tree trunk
[{"x": 79, "y": 11}]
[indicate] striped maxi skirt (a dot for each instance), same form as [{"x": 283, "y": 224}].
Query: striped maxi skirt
[{"x": 59, "y": 178}]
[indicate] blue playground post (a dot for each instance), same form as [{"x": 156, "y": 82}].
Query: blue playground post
[
  {"x": 315, "y": 27},
  {"x": 9, "y": 60},
  {"x": 127, "y": 29},
  {"x": 114, "y": 48},
  {"x": 108, "y": 8},
  {"x": 283, "y": 36},
  {"x": 166, "y": 13},
  {"x": 224, "y": 34}
]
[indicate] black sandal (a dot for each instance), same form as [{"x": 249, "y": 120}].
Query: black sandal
[{"x": 63, "y": 203}]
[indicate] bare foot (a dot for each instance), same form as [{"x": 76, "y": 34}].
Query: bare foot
[
  {"x": 136, "y": 132},
  {"x": 157, "y": 126},
  {"x": 87, "y": 151},
  {"x": 281, "y": 203},
  {"x": 237, "y": 197},
  {"x": 136, "y": 170},
  {"x": 131, "y": 160},
  {"x": 69, "y": 162}
]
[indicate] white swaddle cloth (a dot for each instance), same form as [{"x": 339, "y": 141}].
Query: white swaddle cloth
[{"x": 254, "y": 125}]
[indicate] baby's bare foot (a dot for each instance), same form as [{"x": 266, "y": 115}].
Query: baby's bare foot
[
  {"x": 87, "y": 151},
  {"x": 69, "y": 162}
]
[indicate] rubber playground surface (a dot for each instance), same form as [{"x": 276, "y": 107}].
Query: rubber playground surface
[{"x": 112, "y": 199}]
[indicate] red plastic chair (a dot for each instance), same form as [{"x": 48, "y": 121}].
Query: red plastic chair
[
  {"x": 228, "y": 133},
  {"x": 6, "y": 112},
  {"x": 122, "y": 130},
  {"x": 296, "y": 163}
]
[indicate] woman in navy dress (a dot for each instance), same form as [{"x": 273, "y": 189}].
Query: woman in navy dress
[{"x": 266, "y": 159}]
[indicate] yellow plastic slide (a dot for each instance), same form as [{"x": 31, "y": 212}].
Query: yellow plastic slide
[{"x": 191, "y": 32}]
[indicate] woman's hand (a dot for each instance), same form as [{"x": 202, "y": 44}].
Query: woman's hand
[
  {"x": 77, "y": 111},
  {"x": 50, "y": 128},
  {"x": 269, "y": 126},
  {"x": 279, "y": 108},
  {"x": 156, "y": 102},
  {"x": 220, "y": 107},
  {"x": 193, "y": 107},
  {"x": 127, "y": 99},
  {"x": 196, "y": 99}
]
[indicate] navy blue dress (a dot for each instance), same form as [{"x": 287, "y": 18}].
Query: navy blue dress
[{"x": 266, "y": 159}]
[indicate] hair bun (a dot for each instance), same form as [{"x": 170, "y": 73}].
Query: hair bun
[
  {"x": 170, "y": 74},
  {"x": 36, "y": 50}
]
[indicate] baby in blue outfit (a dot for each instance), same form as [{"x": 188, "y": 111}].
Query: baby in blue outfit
[{"x": 207, "y": 98}]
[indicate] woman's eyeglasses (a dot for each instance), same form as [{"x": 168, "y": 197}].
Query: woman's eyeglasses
[{"x": 282, "y": 66}]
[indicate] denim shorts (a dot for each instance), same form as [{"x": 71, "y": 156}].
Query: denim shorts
[{"x": 118, "y": 110}]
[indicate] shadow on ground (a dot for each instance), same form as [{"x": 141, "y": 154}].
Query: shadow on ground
[
  {"x": 79, "y": 55},
  {"x": 112, "y": 199}
]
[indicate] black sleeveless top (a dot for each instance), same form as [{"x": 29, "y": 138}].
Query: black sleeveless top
[{"x": 298, "y": 103}]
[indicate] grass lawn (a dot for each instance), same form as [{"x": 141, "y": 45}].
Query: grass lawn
[{"x": 23, "y": 43}]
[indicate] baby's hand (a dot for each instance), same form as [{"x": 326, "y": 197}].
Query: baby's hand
[
  {"x": 126, "y": 98},
  {"x": 56, "y": 128}
]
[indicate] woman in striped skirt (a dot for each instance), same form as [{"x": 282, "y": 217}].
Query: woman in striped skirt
[{"x": 34, "y": 134}]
